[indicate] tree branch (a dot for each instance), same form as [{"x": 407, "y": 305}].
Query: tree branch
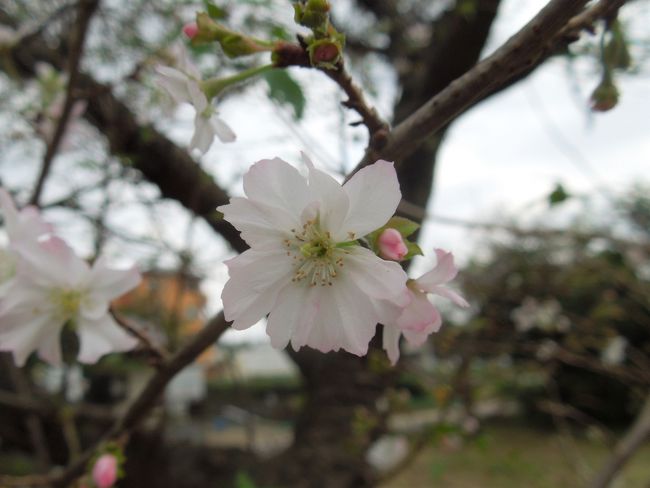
[
  {"x": 633, "y": 439},
  {"x": 86, "y": 10},
  {"x": 555, "y": 23},
  {"x": 377, "y": 128}
]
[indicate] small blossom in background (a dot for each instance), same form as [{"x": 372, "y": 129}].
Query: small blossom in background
[
  {"x": 191, "y": 30},
  {"x": 49, "y": 286},
  {"x": 420, "y": 318},
  {"x": 184, "y": 86},
  {"x": 105, "y": 471},
  {"x": 305, "y": 268}
]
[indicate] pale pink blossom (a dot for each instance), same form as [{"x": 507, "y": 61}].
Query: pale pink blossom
[
  {"x": 105, "y": 471},
  {"x": 54, "y": 287},
  {"x": 420, "y": 318},
  {"x": 24, "y": 225},
  {"x": 184, "y": 85},
  {"x": 23, "y": 228},
  {"x": 391, "y": 245},
  {"x": 305, "y": 268}
]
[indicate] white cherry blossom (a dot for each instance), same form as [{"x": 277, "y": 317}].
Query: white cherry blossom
[
  {"x": 184, "y": 86},
  {"x": 420, "y": 318},
  {"x": 305, "y": 269},
  {"x": 54, "y": 287}
]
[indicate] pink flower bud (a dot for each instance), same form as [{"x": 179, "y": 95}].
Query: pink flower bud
[
  {"x": 391, "y": 245},
  {"x": 191, "y": 30},
  {"x": 105, "y": 471}
]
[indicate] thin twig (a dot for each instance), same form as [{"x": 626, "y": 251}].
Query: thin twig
[
  {"x": 377, "y": 127},
  {"x": 159, "y": 353},
  {"x": 86, "y": 10}
]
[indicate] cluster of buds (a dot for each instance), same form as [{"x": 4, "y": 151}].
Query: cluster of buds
[
  {"x": 325, "y": 45},
  {"x": 234, "y": 44}
]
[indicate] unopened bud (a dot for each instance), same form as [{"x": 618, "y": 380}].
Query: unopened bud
[
  {"x": 233, "y": 43},
  {"x": 191, "y": 30},
  {"x": 326, "y": 53},
  {"x": 313, "y": 14},
  {"x": 105, "y": 471},
  {"x": 605, "y": 96},
  {"x": 391, "y": 245}
]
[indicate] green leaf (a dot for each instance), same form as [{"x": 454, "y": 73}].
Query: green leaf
[
  {"x": 403, "y": 225},
  {"x": 414, "y": 250},
  {"x": 285, "y": 90},
  {"x": 214, "y": 11},
  {"x": 558, "y": 195}
]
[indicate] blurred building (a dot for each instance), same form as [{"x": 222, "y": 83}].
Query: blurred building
[{"x": 168, "y": 306}]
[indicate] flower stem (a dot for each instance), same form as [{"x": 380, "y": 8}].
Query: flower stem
[{"x": 214, "y": 86}]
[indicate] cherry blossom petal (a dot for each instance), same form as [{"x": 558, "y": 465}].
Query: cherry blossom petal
[
  {"x": 203, "y": 134},
  {"x": 420, "y": 315},
  {"x": 254, "y": 285},
  {"x": 259, "y": 224},
  {"x": 49, "y": 349},
  {"x": 51, "y": 262},
  {"x": 100, "y": 337},
  {"x": 444, "y": 271},
  {"x": 198, "y": 98},
  {"x": 416, "y": 339},
  {"x": 293, "y": 310},
  {"x": 333, "y": 318},
  {"x": 356, "y": 317},
  {"x": 374, "y": 195},
  {"x": 22, "y": 304},
  {"x": 23, "y": 331},
  {"x": 26, "y": 225},
  {"x": 334, "y": 202},
  {"x": 378, "y": 278},
  {"x": 184, "y": 63},
  {"x": 276, "y": 183},
  {"x": 175, "y": 83},
  {"x": 223, "y": 130},
  {"x": 106, "y": 285},
  {"x": 390, "y": 342},
  {"x": 451, "y": 294}
]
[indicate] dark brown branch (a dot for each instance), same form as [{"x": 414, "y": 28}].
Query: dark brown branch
[
  {"x": 633, "y": 439},
  {"x": 558, "y": 22},
  {"x": 86, "y": 10}
]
